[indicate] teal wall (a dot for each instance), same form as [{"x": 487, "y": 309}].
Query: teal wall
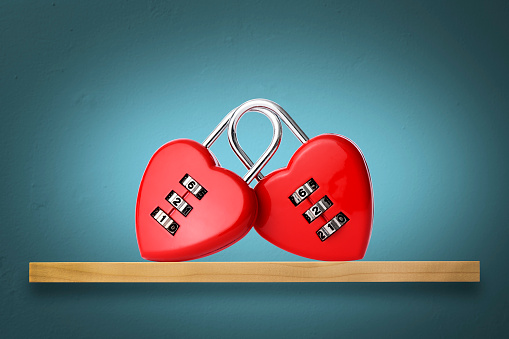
[{"x": 90, "y": 89}]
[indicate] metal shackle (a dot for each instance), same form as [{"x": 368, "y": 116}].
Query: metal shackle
[
  {"x": 255, "y": 105},
  {"x": 277, "y": 131}
]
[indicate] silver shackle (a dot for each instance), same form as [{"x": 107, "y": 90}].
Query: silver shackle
[
  {"x": 257, "y": 105},
  {"x": 269, "y": 152}
]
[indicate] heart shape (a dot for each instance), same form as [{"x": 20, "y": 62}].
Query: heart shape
[
  {"x": 339, "y": 170},
  {"x": 216, "y": 219}
]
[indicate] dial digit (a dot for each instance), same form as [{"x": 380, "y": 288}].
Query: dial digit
[
  {"x": 312, "y": 184},
  {"x": 321, "y": 235},
  {"x": 186, "y": 210}
]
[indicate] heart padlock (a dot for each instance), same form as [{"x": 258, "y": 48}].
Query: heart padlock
[
  {"x": 188, "y": 206},
  {"x": 321, "y": 205}
]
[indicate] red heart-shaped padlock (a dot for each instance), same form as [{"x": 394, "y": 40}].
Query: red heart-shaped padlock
[
  {"x": 336, "y": 168},
  {"x": 223, "y": 215},
  {"x": 189, "y": 207},
  {"x": 321, "y": 205}
]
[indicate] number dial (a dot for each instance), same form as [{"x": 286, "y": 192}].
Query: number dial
[
  {"x": 164, "y": 220},
  {"x": 317, "y": 209},
  {"x": 193, "y": 186},
  {"x": 303, "y": 192},
  {"x": 179, "y": 203},
  {"x": 332, "y": 226}
]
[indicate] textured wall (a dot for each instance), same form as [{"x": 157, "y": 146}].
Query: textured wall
[{"x": 90, "y": 89}]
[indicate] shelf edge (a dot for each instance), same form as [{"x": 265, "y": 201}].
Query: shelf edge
[{"x": 297, "y": 271}]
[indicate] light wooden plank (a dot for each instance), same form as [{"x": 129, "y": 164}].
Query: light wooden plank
[{"x": 305, "y": 271}]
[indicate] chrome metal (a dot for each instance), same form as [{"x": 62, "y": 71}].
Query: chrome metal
[
  {"x": 218, "y": 130},
  {"x": 277, "y": 131},
  {"x": 255, "y": 105},
  {"x": 269, "y": 152}
]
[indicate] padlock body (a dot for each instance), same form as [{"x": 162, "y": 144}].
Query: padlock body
[
  {"x": 203, "y": 221},
  {"x": 340, "y": 192}
]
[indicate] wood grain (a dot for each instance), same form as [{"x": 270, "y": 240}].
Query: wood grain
[{"x": 305, "y": 271}]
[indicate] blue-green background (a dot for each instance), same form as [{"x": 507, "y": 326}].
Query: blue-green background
[{"x": 90, "y": 89}]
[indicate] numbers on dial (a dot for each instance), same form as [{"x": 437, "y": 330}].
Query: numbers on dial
[
  {"x": 193, "y": 186},
  {"x": 317, "y": 209},
  {"x": 180, "y": 204},
  {"x": 332, "y": 226},
  {"x": 303, "y": 192},
  {"x": 321, "y": 234},
  {"x": 164, "y": 220}
]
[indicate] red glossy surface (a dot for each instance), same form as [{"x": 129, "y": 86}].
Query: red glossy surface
[
  {"x": 339, "y": 169},
  {"x": 223, "y": 216}
]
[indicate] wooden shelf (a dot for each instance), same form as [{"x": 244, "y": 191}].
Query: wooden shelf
[{"x": 299, "y": 271}]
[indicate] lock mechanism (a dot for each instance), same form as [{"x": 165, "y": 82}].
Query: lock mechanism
[
  {"x": 303, "y": 205},
  {"x": 188, "y": 206}
]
